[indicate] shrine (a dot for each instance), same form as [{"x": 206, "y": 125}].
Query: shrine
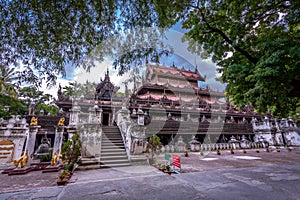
[{"x": 175, "y": 104}]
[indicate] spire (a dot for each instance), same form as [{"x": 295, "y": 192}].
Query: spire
[
  {"x": 107, "y": 79},
  {"x": 59, "y": 92}
]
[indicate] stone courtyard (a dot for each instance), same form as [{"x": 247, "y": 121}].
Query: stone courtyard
[{"x": 40, "y": 185}]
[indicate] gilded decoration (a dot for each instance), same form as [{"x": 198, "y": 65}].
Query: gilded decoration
[
  {"x": 34, "y": 121},
  {"x": 22, "y": 161},
  {"x": 61, "y": 122}
]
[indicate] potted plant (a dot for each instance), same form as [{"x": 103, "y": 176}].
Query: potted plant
[
  {"x": 277, "y": 149},
  {"x": 231, "y": 151},
  {"x": 244, "y": 151},
  {"x": 63, "y": 178},
  {"x": 186, "y": 154},
  {"x": 153, "y": 147},
  {"x": 71, "y": 151},
  {"x": 162, "y": 168},
  {"x": 201, "y": 153},
  {"x": 257, "y": 150},
  {"x": 267, "y": 150},
  {"x": 218, "y": 152},
  {"x": 168, "y": 169}
]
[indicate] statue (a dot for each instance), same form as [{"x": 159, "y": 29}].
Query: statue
[
  {"x": 22, "y": 160},
  {"x": 34, "y": 121},
  {"x": 61, "y": 157},
  {"x": 61, "y": 122},
  {"x": 54, "y": 159},
  {"x": 31, "y": 108}
]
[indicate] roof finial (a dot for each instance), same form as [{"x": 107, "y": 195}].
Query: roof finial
[
  {"x": 147, "y": 60},
  {"x": 173, "y": 64},
  {"x": 107, "y": 71}
]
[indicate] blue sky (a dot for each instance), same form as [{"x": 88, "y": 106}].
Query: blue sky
[{"x": 181, "y": 58}]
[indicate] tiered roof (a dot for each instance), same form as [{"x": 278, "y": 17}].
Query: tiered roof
[
  {"x": 175, "y": 85},
  {"x": 177, "y": 90}
]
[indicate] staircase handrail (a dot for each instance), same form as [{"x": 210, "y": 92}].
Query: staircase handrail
[{"x": 123, "y": 134}]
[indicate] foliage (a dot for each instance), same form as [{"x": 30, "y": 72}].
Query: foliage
[
  {"x": 120, "y": 94},
  {"x": 154, "y": 145},
  {"x": 46, "y": 158},
  {"x": 71, "y": 150},
  {"x": 48, "y": 108},
  {"x": 168, "y": 167},
  {"x": 254, "y": 43},
  {"x": 186, "y": 154},
  {"x": 8, "y": 81},
  {"x": 16, "y": 107},
  {"x": 45, "y": 36},
  {"x": 75, "y": 89},
  {"x": 30, "y": 93},
  {"x": 64, "y": 175}
]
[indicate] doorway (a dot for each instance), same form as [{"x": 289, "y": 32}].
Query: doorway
[{"x": 105, "y": 119}]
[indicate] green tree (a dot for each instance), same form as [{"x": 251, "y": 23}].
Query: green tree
[
  {"x": 42, "y": 101},
  {"x": 74, "y": 89},
  {"x": 8, "y": 80},
  {"x": 153, "y": 147},
  {"x": 16, "y": 107},
  {"x": 71, "y": 150},
  {"x": 254, "y": 43},
  {"x": 52, "y": 109},
  {"x": 31, "y": 93},
  {"x": 45, "y": 36}
]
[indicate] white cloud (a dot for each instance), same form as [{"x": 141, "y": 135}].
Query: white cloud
[{"x": 205, "y": 67}]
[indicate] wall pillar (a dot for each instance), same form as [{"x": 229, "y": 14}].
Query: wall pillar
[
  {"x": 59, "y": 131},
  {"x": 31, "y": 138}
]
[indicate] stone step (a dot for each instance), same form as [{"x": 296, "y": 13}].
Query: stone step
[
  {"x": 112, "y": 150},
  {"x": 105, "y": 139},
  {"x": 114, "y": 165},
  {"x": 112, "y": 147},
  {"x": 112, "y": 136},
  {"x": 88, "y": 161},
  {"x": 109, "y": 127},
  {"x": 112, "y": 143},
  {"x": 113, "y": 153},
  {"x": 87, "y": 167},
  {"x": 117, "y": 145},
  {"x": 111, "y": 133},
  {"x": 114, "y": 157},
  {"x": 110, "y": 130},
  {"x": 112, "y": 140},
  {"x": 114, "y": 161},
  {"x": 138, "y": 158}
]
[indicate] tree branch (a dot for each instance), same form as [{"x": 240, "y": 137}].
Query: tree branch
[{"x": 228, "y": 40}]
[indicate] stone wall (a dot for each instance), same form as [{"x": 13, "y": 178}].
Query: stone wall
[
  {"x": 276, "y": 131},
  {"x": 13, "y": 133}
]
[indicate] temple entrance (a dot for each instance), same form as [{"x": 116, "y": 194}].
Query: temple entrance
[{"x": 105, "y": 119}]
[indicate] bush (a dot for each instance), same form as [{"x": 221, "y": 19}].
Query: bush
[
  {"x": 154, "y": 145},
  {"x": 71, "y": 150},
  {"x": 46, "y": 158}
]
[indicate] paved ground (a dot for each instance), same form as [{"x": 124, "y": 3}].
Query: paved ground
[{"x": 274, "y": 175}]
